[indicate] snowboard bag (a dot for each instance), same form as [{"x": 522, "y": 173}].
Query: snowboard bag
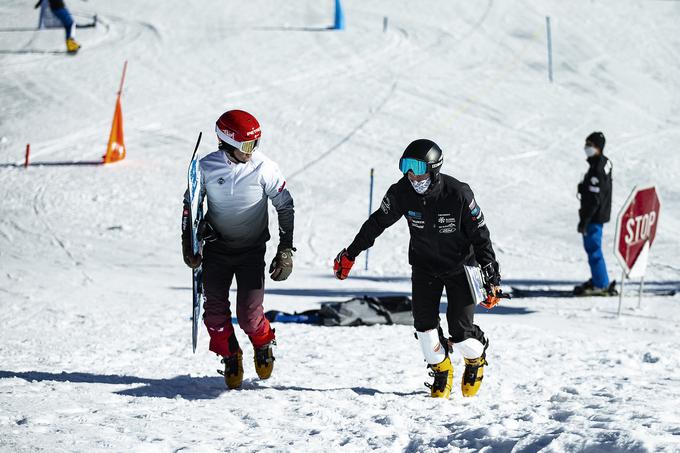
[{"x": 359, "y": 311}]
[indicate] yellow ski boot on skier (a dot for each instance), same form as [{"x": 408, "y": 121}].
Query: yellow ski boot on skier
[
  {"x": 443, "y": 379},
  {"x": 72, "y": 46},
  {"x": 473, "y": 374},
  {"x": 435, "y": 350},
  {"x": 233, "y": 370},
  {"x": 264, "y": 360}
]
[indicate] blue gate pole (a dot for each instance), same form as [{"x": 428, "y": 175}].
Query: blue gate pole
[
  {"x": 370, "y": 210},
  {"x": 550, "y": 62},
  {"x": 339, "y": 17}
]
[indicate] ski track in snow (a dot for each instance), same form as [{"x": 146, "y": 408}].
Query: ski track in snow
[{"x": 95, "y": 319}]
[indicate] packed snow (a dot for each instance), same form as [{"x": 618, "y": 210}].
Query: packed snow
[{"x": 95, "y": 335}]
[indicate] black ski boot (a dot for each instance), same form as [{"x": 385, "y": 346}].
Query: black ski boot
[{"x": 580, "y": 290}]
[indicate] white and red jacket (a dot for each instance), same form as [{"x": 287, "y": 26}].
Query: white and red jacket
[{"x": 237, "y": 197}]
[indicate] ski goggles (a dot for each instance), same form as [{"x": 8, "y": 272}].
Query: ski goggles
[
  {"x": 246, "y": 147},
  {"x": 418, "y": 167}
]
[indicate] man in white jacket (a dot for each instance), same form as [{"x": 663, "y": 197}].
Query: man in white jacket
[{"x": 238, "y": 180}]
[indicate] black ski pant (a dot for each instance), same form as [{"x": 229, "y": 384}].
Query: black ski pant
[{"x": 427, "y": 292}]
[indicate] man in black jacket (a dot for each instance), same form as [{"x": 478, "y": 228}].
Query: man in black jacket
[
  {"x": 595, "y": 193},
  {"x": 448, "y": 231}
]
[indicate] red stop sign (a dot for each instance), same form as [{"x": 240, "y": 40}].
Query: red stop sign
[{"x": 636, "y": 225}]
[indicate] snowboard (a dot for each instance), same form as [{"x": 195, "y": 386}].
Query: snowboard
[{"x": 196, "y": 215}]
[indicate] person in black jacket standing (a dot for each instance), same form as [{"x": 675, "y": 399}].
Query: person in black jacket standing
[
  {"x": 595, "y": 193},
  {"x": 448, "y": 231}
]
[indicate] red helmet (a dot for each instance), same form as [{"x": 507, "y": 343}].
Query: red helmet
[{"x": 239, "y": 129}]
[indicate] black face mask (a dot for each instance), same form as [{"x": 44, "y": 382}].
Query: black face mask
[{"x": 227, "y": 148}]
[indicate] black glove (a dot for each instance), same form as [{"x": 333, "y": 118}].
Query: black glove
[
  {"x": 191, "y": 260},
  {"x": 581, "y": 227},
  {"x": 491, "y": 275},
  {"x": 282, "y": 265},
  {"x": 206, "y": 232},
  {"x": 37, "y": 5}
]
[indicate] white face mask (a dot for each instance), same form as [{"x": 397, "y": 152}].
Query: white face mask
[
  {"x": 590, "y": 151},
  {"x": 420, "y": 186}
]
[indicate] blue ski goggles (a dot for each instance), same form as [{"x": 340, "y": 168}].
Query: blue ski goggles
[{"x": 418, "y": 167}]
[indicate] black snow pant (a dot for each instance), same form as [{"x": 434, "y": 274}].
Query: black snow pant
[{"x": 427, "y": 293}]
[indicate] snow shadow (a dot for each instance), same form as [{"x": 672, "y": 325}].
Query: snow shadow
[
  {"x": 323, "y": 292},
  {"x": 32, "y": 51},
  {"x": 291, "y": 28},
  {"x": 254, "y": 385},
  {"x": 185, "y": 387},
  {"x": 54, "y": 164}
]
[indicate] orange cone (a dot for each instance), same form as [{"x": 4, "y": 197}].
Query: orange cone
[{"x": 115, "y": 150}]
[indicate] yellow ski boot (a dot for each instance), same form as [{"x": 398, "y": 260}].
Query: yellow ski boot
[
  {"x": 264, "y": 360},
  {"x": 473, "y": 375},
  {"x": 72, "y": 46},
  {"x": 233, "y": 370},
  {"x": 443, "y": 379}
]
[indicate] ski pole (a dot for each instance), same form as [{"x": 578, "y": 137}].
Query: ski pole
[{"x": 370, "y": 210}]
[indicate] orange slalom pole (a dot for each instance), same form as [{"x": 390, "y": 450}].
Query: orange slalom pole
[{"x": 122, "y": 79}]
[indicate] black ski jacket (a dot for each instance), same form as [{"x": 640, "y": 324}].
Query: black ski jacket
[
  {"x": 447, "y": 226},
  {"x": 596, "y": 192}
]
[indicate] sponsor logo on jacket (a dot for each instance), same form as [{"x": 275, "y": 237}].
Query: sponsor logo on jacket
[
  {"x": 446, "y": 223},
  {"x": 385, "y": 205}
]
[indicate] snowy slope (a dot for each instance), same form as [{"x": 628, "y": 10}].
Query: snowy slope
[{"x": 95, "y": 342}]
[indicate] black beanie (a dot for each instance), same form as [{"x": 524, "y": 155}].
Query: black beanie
[{"x": 597, "y": 139}]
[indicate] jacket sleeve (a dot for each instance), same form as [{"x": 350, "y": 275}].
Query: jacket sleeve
[
  {"x": 384, "y": 217},
  {"x": 275, "y": 187},
  {"x": 475, "y": 229},
  {"x": 591, "y": 194}
]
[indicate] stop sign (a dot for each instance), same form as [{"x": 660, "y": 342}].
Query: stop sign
[{"x": 636, "y": 225}]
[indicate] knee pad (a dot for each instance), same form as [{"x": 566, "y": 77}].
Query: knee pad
[
  {"x": 470, "y": 348},
  {"x": 431, "y": 344}
]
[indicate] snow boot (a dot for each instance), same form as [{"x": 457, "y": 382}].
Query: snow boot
[
  {"x": 473, "y": 374},
  {"x": 72, "y": 46},
  {"x": 233, "y": 370},
  {"x": 602, "y": 292},
  {"x": 579, "y": 290},
  {"x": 264, "y": 360},
  {"x": 443, "y": 379}
]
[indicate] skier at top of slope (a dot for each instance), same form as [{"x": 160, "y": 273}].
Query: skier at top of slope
[
  {"x": 595, "y": 193},
  {"x": 237, "y": 180},
  {"x": 447, "y": 231},
  {"x": 59, "y": 9}
]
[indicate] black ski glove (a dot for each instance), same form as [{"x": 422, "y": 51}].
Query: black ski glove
[
  {"x": 491, "y": 274},
  {"x": 581, "y": 227},
  {"x": 282, "y": 265}
]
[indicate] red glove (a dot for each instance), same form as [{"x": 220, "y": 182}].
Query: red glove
[{"x": 342, "y": 265}]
